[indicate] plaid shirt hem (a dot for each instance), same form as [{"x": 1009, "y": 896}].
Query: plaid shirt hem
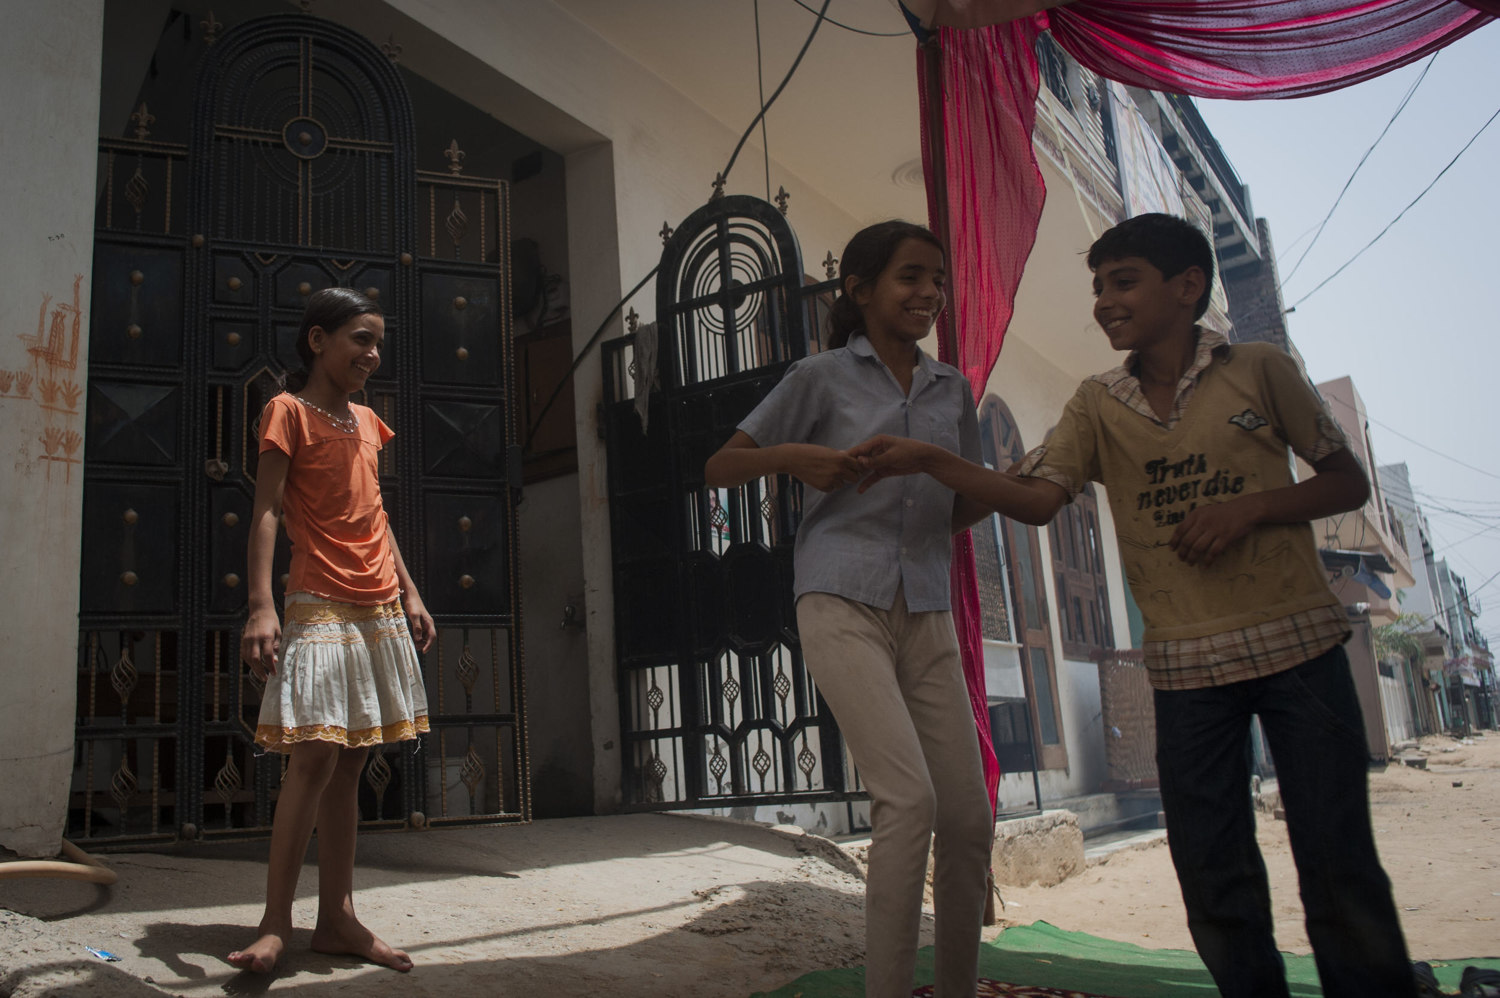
[{"x": 1247, "y": 653}]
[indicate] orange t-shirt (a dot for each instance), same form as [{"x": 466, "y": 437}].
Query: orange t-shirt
[{"x": 334, "y": 516}]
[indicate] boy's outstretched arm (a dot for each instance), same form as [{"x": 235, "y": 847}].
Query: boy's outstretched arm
[
  {"x": 742, "y": 459},
  {"x": 1339, "y": 485},
  {"x": 979, "y": 490}
]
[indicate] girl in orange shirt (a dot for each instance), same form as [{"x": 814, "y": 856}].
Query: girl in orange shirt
[{"x": 344, "y": 675}]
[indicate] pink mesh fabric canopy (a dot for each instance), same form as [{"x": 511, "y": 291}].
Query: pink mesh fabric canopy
[
  {"x": 985, "y": 191},
  {"x": 994, "y": 197},
  {"x": 1251, "y": 49}
]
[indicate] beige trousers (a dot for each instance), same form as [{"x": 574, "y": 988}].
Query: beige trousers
[{"x": 895, "y": 683}]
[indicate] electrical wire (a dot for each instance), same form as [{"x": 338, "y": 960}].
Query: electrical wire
[
  {"x": 1403, "y": 436},
  {"x": 1468, "y": 502},
  {"x": 822, "y": 16},
  {"x": 1444, "y": 511},
  {"x": 1475, "y": 569},
  {"x": 1284, "y": 250},
  {"x": 723, "y": 176},
  {"x": 1482, "y": 514},
  {"x": 1477, "y": 533},
  {"x": 1442, "y": 610},
  {"x": 1399, "y": 108},
  {"x": 857, "y": 31},
  {"x": 1392, "y": 222},
  {"x": 760, "y": 87},
  {"x": 1477, "y": 589},
  {"x": 578, "y": 361},
  {"x": 1449, "y": 551}
]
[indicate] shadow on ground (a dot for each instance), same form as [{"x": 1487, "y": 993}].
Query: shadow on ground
[
  {"x": 231, "y": 873},
  {"x": 767, "y": 934},
  {"x": 621, "y": 906}
]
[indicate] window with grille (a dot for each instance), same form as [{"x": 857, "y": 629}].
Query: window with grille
[
  {"x": 1012, "y": 569},
  {"x": 1078, "y": 565}
]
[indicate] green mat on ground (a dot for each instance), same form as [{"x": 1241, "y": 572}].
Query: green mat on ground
[{"x": 1042, "y": 955}]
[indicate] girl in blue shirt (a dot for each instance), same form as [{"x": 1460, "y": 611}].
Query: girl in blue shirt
[{"x": 871, "y": 584}]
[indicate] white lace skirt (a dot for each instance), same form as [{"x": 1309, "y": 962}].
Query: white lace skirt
[{"x": 348, "y": 675}]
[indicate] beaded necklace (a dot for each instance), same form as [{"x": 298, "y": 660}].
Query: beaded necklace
[{"x": 349, "y": 423}]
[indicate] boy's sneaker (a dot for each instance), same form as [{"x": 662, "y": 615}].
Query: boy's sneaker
[
  {"x": 1427, "y": 982},
  {"x": 1479, "y": 982}
]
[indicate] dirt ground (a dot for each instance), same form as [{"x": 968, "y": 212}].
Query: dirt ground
[
  {"x": 664, "y": 905},
  {"x": 624, "y": 905},
  {"x": 1438, "y": 831}
]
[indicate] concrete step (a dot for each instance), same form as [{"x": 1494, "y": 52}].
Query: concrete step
[{"x": 1101, "y": 848}]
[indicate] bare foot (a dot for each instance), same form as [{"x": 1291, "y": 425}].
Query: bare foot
[
  {"x": 261, "y": 955},
  {"x": 351, "y": 938}
]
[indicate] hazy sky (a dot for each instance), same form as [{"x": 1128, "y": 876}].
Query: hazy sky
[{"x": 1415, "y": 321}]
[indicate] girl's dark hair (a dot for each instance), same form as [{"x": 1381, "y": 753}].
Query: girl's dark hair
[
  {"x": 329, "y": 308},
  {"x": 865, "y": 257}
]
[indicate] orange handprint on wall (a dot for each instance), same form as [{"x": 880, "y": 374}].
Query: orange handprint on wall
[{"x": 53, "y": 351}]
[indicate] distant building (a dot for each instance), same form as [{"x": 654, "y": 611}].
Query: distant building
[{"x": 1422, "y": 616}]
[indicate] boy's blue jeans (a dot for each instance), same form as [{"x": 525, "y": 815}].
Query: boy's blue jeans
[{"x": 1312, "y": 721}]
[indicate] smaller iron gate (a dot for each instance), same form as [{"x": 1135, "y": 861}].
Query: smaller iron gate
[{"x": 716, "y": 706}]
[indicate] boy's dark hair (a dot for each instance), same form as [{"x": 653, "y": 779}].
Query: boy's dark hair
[
  {"x": 1168, "y": 243},
  {"x": 329, "y": 308},
  {"x": 866, "y": 255}
]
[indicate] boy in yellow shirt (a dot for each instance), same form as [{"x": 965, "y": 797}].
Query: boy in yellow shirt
[{"x": 1190, "y": 437}]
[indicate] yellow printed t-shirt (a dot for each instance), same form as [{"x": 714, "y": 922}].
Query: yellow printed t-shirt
[
  {"x": 1250, "y": 404},
  {"x": 334, "y": 516}
]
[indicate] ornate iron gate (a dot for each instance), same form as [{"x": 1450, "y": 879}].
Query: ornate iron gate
[
  {"x": 716, "y": 706},
  {"x": 300, "y": 175}
]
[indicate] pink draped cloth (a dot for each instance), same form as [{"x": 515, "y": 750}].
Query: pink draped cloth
[
  {"x": 994, "y": 186},
  {"x": 994, "y": 204},
  {"x": 978, "y": 13},
  {"x": 1254, "y": 49}
]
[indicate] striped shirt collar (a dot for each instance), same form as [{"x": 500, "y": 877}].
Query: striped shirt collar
[{"x": 1122, "y": 383}]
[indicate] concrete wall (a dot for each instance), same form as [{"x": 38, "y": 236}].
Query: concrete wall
[
  {"x": 556, "y": 652},
  {"x": 50, "y": 53}
]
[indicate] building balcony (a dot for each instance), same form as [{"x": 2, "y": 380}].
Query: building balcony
[{"x": 1365, "y": 563}]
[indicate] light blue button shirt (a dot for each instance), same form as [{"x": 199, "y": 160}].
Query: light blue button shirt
[{"x": 898, "y": 534}]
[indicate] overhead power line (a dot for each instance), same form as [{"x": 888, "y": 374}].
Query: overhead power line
[
  {"x": 1455, "y": 499},
  {"x": 1399, "y": 216},
  {"x": 1396, "y": 114},
  {"x": 1482, "y": 530},
  {"x": 822, "y": 16},
  {"x": 1448, "y": 511},
  {"x": 1403, "y": 436},
  {"x": 857, "y": 31}
]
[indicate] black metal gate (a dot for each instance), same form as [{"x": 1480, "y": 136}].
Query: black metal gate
[
  {"x": 716, "y": 706},
  {"x": 299, "y": 174}
]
